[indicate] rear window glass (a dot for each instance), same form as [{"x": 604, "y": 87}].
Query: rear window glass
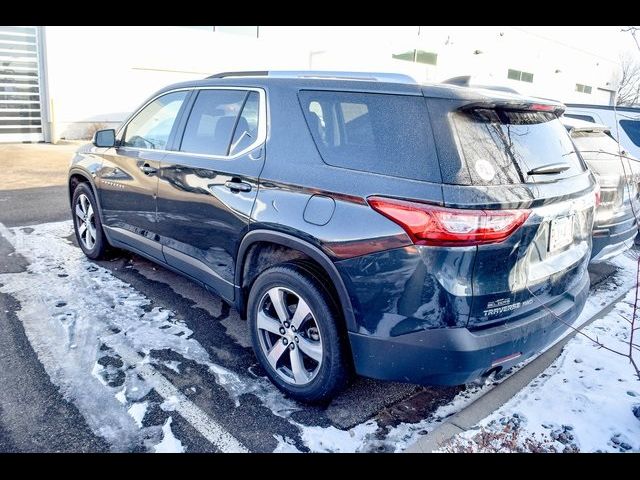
[
  {"x": 632, "y": 129},
  {"x": 595, "y": 142},
  {"x": 502, "y": 146},
  {"x": 380, "y": 133}
]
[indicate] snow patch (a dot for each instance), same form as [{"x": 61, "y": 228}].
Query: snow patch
[
  {"x": 138, "y": 411},
  {"x": 169, "y": 443},
  {"x": 285, "y": 445},
  {"x": 333, "y": 440}
]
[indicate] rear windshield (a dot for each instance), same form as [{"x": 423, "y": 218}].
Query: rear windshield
[
  {"x": 502, "y": 146},
  {"x": 380, "y": 133},
  {"x": 595, "y": 142},
  {"x": 600, "y": 151},
  {"x": 632, "y": 129}
]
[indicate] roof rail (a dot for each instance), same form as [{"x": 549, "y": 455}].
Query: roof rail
[
  {"x": 370, "y": 76},
  {"x": 249, "y": 73}
]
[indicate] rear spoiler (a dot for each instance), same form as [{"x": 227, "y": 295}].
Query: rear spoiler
[{"x": 516, "y": 105}]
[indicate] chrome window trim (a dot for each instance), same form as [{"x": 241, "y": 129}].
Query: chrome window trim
[{"x": 262, "y": 123}]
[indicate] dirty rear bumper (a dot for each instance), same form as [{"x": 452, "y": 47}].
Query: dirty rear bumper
[{"x": 453, "y": 356}]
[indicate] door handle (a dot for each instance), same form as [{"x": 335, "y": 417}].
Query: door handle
[
  {"x": 237, "y": 186},
  {"x": 148, "y": 169}
]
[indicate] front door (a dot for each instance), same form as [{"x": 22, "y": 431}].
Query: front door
[
  {"x": 129, "y": 175},
  {"x": 208, "y": 186}
]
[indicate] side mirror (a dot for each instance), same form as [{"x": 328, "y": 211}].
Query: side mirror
[{"x": 105, "y": 138}]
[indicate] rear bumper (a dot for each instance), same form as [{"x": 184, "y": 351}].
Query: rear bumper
[
  {"x": 610, "y": 240},
  {"x": 453, "y": 356},
  {"x": 605, "y": 250}
]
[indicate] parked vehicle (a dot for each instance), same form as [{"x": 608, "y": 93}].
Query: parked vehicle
[
  {"x": 626, "y": 118},
  {"x": 615, "y": 225},
  {"x": 360, "y": 222}
]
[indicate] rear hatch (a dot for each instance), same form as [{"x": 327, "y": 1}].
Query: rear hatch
[
  {"x": 514, "y": 154},
  {"x": 617, "y": 176}
]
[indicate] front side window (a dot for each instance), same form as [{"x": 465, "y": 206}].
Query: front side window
[
  {"x": 152, "y": 126},
  {"x": 222, "y": 122}
]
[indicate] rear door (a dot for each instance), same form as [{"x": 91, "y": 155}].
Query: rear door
[
  {"x": 209, "y": 183},
  {"x": 129, "y": 174}
]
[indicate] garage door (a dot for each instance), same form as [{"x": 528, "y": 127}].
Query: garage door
[{"x": 20, "y": 113}]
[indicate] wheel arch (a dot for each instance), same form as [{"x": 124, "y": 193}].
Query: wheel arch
[
  {"x": 313, "y": 252},
  {"x": 78, "y": 173}
]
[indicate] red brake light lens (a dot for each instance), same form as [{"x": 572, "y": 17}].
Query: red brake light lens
[
  {"x": 433, "y": 225},
  {"x": 598, "y": 195},
  {"x": 541, "y": 107}
]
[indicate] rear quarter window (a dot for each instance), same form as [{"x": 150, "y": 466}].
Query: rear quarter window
[{"x": 380, "y": 133}]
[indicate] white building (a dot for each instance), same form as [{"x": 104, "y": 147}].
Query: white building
[{"x": 65, "y": 82}]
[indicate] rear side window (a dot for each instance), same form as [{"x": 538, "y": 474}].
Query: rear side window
[
  {"x": 212, "y": 121},
  {"x": 502, "y": 146},
  {"x": 632, "y": 129},
  {"x": 380, "y": 133},
  {"x": 247, "y": 128}
]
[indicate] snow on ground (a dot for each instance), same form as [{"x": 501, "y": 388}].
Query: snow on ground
[
  {"x": 77, "y": 316},
  {"x": 169, "y": 443},
  {"x": 588, "y": 400}
]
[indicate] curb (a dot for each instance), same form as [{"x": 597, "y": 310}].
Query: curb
[{"x": 469, "y": 416}]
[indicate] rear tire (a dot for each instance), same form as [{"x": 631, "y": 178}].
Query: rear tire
[
  {"x": 295, "y": 333},
  {"x": 87, "y": 223}
]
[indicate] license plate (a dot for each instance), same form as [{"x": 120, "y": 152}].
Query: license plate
[{"x": 561, "y": 233}]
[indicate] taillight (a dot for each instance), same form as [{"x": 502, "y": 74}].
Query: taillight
[
  {"x": 598, "y": 195},
  {"x": 433, "y": 225}
]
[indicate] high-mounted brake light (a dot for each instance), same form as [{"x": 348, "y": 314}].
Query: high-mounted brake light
[
  {"x": 541, "y": 107},
  {"x": 433, "y": 225}
]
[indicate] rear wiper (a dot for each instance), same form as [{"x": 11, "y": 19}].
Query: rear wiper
[{"x": 550, "y": 169}]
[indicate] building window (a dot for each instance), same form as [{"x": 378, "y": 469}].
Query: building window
[
  {"x": 418, "y": 56},
  {"x": 520, "y": 76},
  {"x": 247, "y": 31},
  {"x": 583, "y": 88}
]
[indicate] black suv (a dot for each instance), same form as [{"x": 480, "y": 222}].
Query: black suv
[{"x": 360, "y": 222}]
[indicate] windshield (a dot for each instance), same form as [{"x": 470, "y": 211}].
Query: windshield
[{"x": 501, "y": 146}]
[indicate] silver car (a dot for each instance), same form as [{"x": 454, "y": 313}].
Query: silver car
[{"x": 618, "y": 174}]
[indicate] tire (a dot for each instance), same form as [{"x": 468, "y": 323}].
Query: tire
[
  {"x": 323, "y": 366},
  {"x": 83, "y": 204}
]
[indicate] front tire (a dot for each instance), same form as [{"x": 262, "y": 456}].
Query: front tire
[
  {"x": 295, "y": 333},
  {"x": 87, "y": 223}
]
